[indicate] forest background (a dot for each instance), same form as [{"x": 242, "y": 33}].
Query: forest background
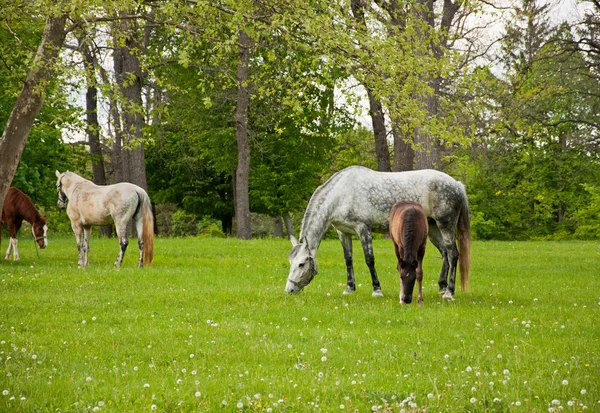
[{"x": 231, "y": 113}]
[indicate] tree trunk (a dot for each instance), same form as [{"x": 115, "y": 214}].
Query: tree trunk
[
  {"x": 242, "y": 204},
  {"x": 382, "y": 150},
  {"x": 129, "y": 79},
  {"x": 428, "y": 156},
  {"x": 404, "y": 155},
  {"x": 93, "y": 127},
  {"x": 277, "y": 227},
  {"x": 289, "y": 228},
  {"x": 29, "y": 102}
]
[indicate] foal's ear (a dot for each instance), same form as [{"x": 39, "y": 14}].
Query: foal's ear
[
  {"x": 57, "y": 174},
  {"x": 293, "y": 240}
]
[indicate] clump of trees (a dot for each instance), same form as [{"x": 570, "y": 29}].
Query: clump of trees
[{"x": 225, "y": 108}]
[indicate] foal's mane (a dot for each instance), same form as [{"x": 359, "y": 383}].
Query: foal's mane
[{"x": 408, "y": 233}]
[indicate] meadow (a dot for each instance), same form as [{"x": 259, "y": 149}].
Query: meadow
[{"x": 209, "y": 328}]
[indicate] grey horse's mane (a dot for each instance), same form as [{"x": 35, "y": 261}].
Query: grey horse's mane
[{"x": 315, "y": 200}]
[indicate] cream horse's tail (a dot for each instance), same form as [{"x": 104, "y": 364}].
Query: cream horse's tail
[
  {"x": 148, "y": 227},
  {"x": 464, "y": 244}
]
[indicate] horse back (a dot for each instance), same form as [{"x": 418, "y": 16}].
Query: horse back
[
  {"x": 408, "y": 227},
  {"x": 15, "y": 205},
  {"x": 104, "y": 204}
]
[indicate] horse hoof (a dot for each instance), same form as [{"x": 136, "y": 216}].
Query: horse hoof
[
  {"x": 448, "y": 296},
  {"x": 377, "y": 293},
  {"x": 348, "y": 291},
  {"x": 443, "y": 291}
]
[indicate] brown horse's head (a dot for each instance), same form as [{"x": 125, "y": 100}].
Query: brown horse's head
[
  {"x": 408, "y": 276},
  {"x": 39, "y": 230}
]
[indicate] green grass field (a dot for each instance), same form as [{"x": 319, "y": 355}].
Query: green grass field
[{"x": 209, "y": 328}]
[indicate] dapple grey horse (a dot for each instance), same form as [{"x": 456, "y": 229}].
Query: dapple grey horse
[
  {"x": 90, "y": 204},
  {"x": 358, "y": 200}
]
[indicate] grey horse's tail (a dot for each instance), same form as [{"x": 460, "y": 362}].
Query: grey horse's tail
[
  {"x": 148, "y": 227},
  {"x": 464, "y": 244}
]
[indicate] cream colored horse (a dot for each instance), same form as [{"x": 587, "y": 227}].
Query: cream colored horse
[{"x": 90, "y": 204}]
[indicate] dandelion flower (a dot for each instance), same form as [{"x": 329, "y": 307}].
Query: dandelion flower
[
  {"x": 323, "y": 358},
  {"x": 517, "y": 403},
  {"x": 342, "y": 406},
  {"x": 240, "y": 405},
  {"x": 469, "y": 369},
  {"x": 197, "y": 394},
  {"x": 146, "y": 385},
  {"x": 153, "y": 407},
  {"x": 473, "y": 400},
  {"x": 565, "y": 382},
  {"x": 5, "y": 392},
  {"x": 583, "y": 391}
]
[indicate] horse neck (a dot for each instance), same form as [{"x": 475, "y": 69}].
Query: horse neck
[
  {"x": 316, "y": 220},
  {"x": 28, "y": 210},
  {"x": 74, "y": 181}
]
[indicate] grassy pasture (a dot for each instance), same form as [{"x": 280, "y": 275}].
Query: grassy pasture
[{"x": 209, "y": 328}]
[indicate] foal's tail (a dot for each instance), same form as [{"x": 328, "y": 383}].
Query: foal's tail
[
  {"x": 464, "y": 244},
  {"x": 148, "y": 227}
]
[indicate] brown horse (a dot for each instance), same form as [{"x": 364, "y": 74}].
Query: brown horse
[
  {"x": 18, "y": 207},
  {"x": 408, "y": 229}
]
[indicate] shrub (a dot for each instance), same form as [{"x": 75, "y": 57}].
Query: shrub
[{"x": 184, "y": 224}]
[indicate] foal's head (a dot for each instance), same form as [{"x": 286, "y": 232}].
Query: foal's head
[
  {"x": 39, "y": 230},
  {"x": 303, "y": 266},
  {"x": 408, "y": 276}
]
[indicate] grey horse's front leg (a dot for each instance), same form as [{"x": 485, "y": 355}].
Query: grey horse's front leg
[
  {"x": 346, "y": 240},
  {"x": 366, "y": 239}
]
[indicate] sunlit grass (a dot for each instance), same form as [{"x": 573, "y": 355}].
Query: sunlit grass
[{"x": 209, "y": 327}]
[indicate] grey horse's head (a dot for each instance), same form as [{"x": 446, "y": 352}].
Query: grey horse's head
[
  {"x": 62, "y": 197},
  {"x": 303, "y": 266}
]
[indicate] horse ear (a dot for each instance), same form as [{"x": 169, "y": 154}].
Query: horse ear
[
  {"x": 57, "y": 174},
  {"x": 293, "y": 240}
]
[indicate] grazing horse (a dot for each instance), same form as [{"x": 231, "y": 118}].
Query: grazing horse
[
  {"x": 408, "y": 229},
  {"x": 90, "y": 204},
  {"x": 18, "y": 207},
  {"x": 358, "y": 200}
]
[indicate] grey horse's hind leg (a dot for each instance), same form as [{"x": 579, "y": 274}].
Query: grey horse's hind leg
[
  {"x": 435, "y": 236},
  {"x": 445, "y": 241},
  {"x": 346, "y": 240},
  {"x": 123, "y": 242},
  {"x": 366, "y": 239},
  {"x": 139, "y": 227},
  {"x": 87, "y": 232}
]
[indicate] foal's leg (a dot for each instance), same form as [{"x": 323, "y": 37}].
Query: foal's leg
[
  {"x": 123, "y": 242},
  {"x": 436, "y": 238},
  {"x": 87, "y": 232},
  {"x": 366, "y": 239},
  {"x": 346, "y": 240}
]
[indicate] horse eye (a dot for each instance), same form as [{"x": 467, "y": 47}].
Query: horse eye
[{"x": 301, "y": 265}]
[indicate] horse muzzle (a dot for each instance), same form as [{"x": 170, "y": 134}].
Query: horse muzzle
[
  {"x": 292, "y": 287},
  {"x": 62, "y": 204}
]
